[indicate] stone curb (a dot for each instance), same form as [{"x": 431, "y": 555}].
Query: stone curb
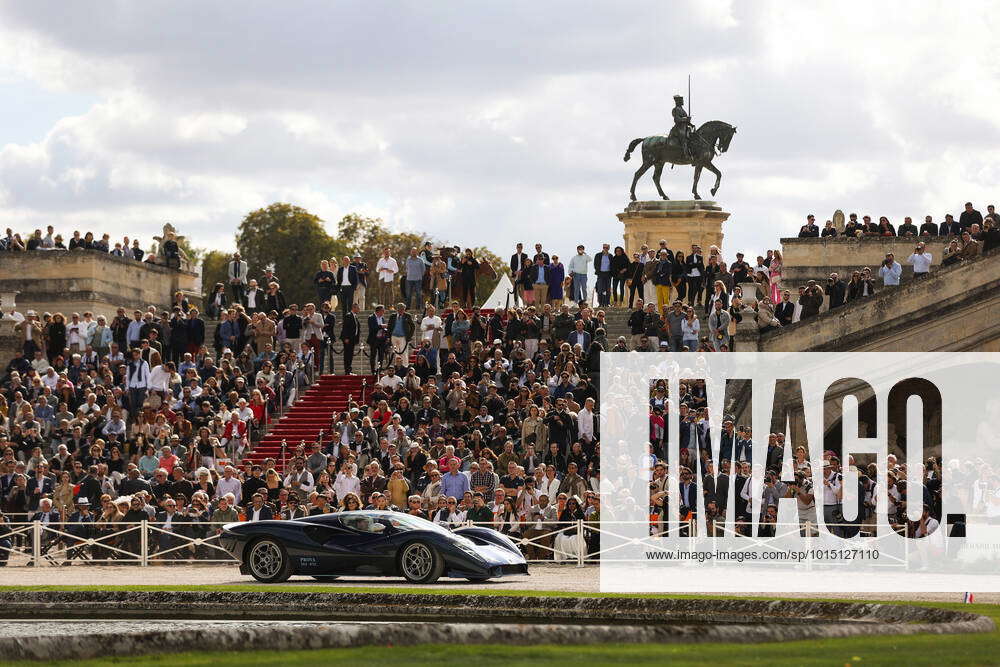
[{"x": 527, "y": 621}]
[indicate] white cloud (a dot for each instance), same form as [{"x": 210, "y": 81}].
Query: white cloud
[{"x": 486, "y": 124}]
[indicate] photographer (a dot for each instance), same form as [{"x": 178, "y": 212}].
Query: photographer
[
  {"x": 890, "y": 270},
  {"x": 811, "y": 300},
  {"x": 805, "y": 499},
  {"x": 921, "y": 261},
  {"x": 837, "y": 291},
  {"x": 833, "y": 514}
]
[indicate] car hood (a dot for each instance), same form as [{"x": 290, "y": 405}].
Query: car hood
[{"x": 495, "y": 555}]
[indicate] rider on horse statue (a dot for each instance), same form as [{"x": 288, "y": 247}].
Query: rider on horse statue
[{"x": 681, "y": 131}]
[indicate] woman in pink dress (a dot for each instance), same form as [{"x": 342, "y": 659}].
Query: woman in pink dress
[{"x": 775, "y": 270}]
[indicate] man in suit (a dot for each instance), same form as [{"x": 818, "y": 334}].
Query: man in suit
[
  {"x": 378, "y": 337},
  {"x": 294, "y": 510},
  {"x": 81, "y": 526},
  {"x": 195, "y": 331},
  {"x": 401, "y": 328},
  {"x": 602, "y": 267},
  {"x": 258, "y": 511},
  {"x": 361, "y": 289},
  {"x": 329, "y": 334},
  {"x": 347, "y": 282},
  {"x": 519, "y": 266},
  {"x": 172, "y": 524},
  {"x": 39, "y": 485},
  {"x": 785, "y": 310},
  {"x": 48, "y": 518},
  {"x": 350, "y": 334},
  {"x": 929, "y": 228},
  {"x": 950, "y": 227},
  {"x": 688, "y": 488},
  {"x": 537, "y": 281},
  {"x": 810, "y": 229},
  {"x": 580, "y": 335},
  {"x": 237, "y": 277},
  {"x": 695, "y": 272}
]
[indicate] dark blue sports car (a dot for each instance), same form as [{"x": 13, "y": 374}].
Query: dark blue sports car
[{"x": 369, "y": 543}]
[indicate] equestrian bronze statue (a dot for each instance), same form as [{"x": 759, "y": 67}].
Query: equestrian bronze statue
[{"x": 684, "y": 145}]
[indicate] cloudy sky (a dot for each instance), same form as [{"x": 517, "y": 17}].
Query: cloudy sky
[{"x": 486, "y": 122}]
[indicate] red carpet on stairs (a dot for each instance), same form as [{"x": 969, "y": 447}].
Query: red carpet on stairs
[{"x": 312, "y": 413}]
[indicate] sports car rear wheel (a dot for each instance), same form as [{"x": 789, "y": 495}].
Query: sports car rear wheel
[
  {"x": 268, "y": 561},
  {"x": 420, "y": 563}
]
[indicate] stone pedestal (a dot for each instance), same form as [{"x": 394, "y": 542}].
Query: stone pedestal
[{"x": 681, "y": 223}]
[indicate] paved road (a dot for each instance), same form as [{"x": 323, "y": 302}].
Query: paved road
[{"x": 542, "y": 578}]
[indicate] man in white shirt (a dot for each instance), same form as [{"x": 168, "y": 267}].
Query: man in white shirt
[
  {"x": 390, "y": 380},
  {"x": 585, "y": 421},
  {"x": 137, "y": 381},
  {"x": 921, "y": 261},
  {"x": 578, "y": 267},
  {"x": 387, "y": 268},
  {"x": 75, "y": 332},
  {"x": 254, "y": 297},
  {"x": 229, "y": 484},
  {"x": 431, "y": 329}
]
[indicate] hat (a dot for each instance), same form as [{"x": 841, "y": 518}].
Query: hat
[{"x": 82, "y": 502}]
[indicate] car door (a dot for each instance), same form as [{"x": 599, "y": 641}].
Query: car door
[{"x": 358, "y": 546}]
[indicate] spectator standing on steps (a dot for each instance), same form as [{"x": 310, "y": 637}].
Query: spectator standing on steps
[
  {"x": 415, "y": 269},
  {"x": 578, "y": 268}
]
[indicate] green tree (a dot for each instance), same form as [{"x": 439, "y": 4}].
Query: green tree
[
  {"x": 369, "y": 236},
  {"x": 291, "y": 238},
  {"x": 213, "y": 270}
]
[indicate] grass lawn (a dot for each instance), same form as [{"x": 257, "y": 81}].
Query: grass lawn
[{"x": 977, "y": 649}]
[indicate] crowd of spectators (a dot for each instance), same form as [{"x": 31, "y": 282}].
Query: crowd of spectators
[
  {"x": 472, "y": 415},
  {"x": 169, "y": 250}
]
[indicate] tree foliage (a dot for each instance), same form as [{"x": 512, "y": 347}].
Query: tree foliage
[
  {"x": 291, "y": 238},
  {"x": 213, "y": 270},
  {"x": 369, "y": 236}
]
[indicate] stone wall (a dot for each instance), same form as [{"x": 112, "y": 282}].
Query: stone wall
[
  {"x": 955, "y": 308},
  {"x": 73, "y": 281},
  {"x": 816, "y": 259},
  {"x": 80, "y": 280}
]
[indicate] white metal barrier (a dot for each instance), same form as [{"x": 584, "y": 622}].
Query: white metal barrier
[{"x": 145, "y": 543}]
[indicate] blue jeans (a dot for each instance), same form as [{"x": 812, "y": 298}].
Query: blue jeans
[
  {"x": 579, "y": 287},
  {"x": 414, "y": 287}
]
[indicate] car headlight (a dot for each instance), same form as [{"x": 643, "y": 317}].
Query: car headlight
[{"x": 470, "y": 551}]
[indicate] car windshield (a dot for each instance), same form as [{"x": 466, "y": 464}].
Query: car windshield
[{"x": 406, "y": 522}]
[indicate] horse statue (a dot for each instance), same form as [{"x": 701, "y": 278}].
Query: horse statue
[{"x": 705, "y": 143}]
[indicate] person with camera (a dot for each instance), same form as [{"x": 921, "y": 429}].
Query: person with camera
[
  {"x": 833, "y": 514},
  {"x": 837, "y": 291},
  {"x": 811, "y": 300},
  {"x": 890, "y": 270},
  {"x": 802, "y": 490},
  {"x": 921, "y": 261}
]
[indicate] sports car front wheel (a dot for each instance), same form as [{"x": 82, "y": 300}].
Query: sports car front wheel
[
  {"x": 268, "y": 561},
  {"x": 420, "y": 563}
]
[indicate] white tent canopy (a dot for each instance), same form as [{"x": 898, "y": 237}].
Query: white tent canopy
[{"x": 498, "y": 299}]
